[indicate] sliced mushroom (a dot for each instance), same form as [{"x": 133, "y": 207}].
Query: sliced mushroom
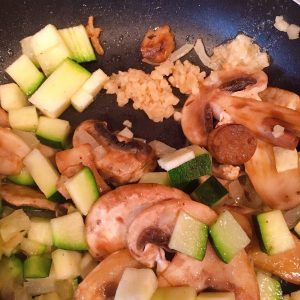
[
  {"x": 70, "y": 161},
  {"x": 18, "y": 195},
  {"x": 151, "y": 230},
  {"x": 3, "y": 118},
  {"x": 109, "y": 218},
  {"x": 237, "y": 276},
  {"x": 123, "y": 162},
  {"x": 102, "y": 282}
]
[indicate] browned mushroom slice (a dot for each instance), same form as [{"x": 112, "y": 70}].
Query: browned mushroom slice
[
  {"x": 121, "y": 162},
  {"x": 237, "y": 276},
  {"x": 18, "y": 195},
  {"x": 3, "y": 118},
  {"x": 102, "y": 282},
  {"x": 158, "y": 44},
  {"x": 151, "y": 229},
  {"x": 70, "y": 161},
  {"x": 109, "y": 218}
]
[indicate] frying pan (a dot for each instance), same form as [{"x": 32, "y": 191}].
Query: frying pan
[{"x": 124, "y": 24}]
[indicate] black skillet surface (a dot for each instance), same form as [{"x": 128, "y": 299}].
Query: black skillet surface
[{"x": 124, "y": 23}]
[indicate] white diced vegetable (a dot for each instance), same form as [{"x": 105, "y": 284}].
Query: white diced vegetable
[
  {"x": 28, "y": 137},
  {"x": 95, "y": 83},
  {"x": 12, "y": 97},
  {"x": 30, "y": 247},
  {"x": 127, "y": 133},
  {"x": 25, "y": 118},
  {"x": 27, "y": 49},
  {"x": 54, "y": 96},
  {"x": 40, "y": 231},
  {"x": 139, "y": 284},
  {"x": 14, "y": 223},
  {"x": 176, "y": 158},
  {"x": 66, "y": 263},
  {"x": 25, "y": 74},
  {"x": 156, "y": 177},
  {"x": 69, "y": 232},
  {"x": 40, "y": 286},
  {"x": 81, "y": 100},
  {"x": 285, "y": 159}
]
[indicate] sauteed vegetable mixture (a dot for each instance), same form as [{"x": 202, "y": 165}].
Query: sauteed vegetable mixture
[{"x": 87, "y": 213}]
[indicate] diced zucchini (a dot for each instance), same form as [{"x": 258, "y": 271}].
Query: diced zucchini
[
  {"x": 11, "y": 270},
  {"x": 172, "y": 293},
  {"x": 54, "y": 96},
  {"x": 189, "y": 236},
  {"x": 269, "y": 288},
  {"x": 30, "y": 247},
  {"x": 12, "y": 97},
  {"x": 228, "y": 236},
  {"x": 49, "y": 296},
  {"x": 66, "y": 264},
  {"x": 83, "y": 190},
  {"x": 156, "y": 177},
  {"x": 81, "y": 100},
  {"x": 275, "y": 233},
  {"x": 49, "y": 48},
  {"x": 25, "y": 74},
  {"x": 176, "y": 158},
  {"x": 40, "y": 231},
  {"x": 38, "y": 286},
  {"x": 128, "y": 288},
  {"x": 95, "y": 83},
  {"x": 23, "y": 178},
  {"x": 199, "y": 166},
  {"x": 37, "y": 266},
  {"x": 65, "y": 288},
  {"x": 297, "y": 228},
  {"x": 14, "y": 223},
  {"x": 28, "y": 137},
  {"x": 85, "y": 95},
  {"x": 25, "y": 118},
  {"x": 10, "y": 247},
  {"x": 285, "y": 159},
  {"x": 27, "y": 50},
  {"x": 53, "y": 132},
  {"x": 42, "y": 171},
  {"x": 79, "y": 44},
  {"x": 69, "y": 232},
  {"x": 87, "y": 264},
  {"x": 216, "y": 296},
  {"x": 295, "y": 295},
  {"x": 210, "y": 192},
  {"x": 197, "y": 149}
]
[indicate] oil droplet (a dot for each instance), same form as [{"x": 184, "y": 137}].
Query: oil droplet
[{"x": 10, "y": 52}]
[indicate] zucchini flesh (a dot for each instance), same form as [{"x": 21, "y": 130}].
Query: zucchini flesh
[
  {"x": 30, "y": 247},
  {"x": 199, "y": 166},
  {"x": 269, "y": 288},
  {"x": 42, "y": 171},
  {"x": 40, "y": 231},
  {"x": 228, "y": 236},
  {"x": 69, "y": 232},
  {"x": 23, "y": 178},
  {"x": 12, "y": 97},
  {"x": 78, "y": 43},
  {"x": 171, "y": 293},
  {"x": 210, "y": 192},
  {"x": 37, "y": 267},
  {"x": 189, "y": 236},
  {"x": 156, "y": 177},
  {"x": 274, "y": 232},
  {"x": 25, "y": 74},
  {"x": 53, "y": 132},
  {"x": 54, "y": 96},
  {"x": 83, "y": 190},
  {"x": 24, "y": 118}
]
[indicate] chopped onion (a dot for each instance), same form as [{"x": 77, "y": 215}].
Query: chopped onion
[
  {"x": 182, "y": 51},
  {"x": 40, "y": 286},
  {"x": 292, "y": 216},
  {"x": 127, "y": 123},
  {"x": 278, "y": 131},
  {"x": 86, "y": 138},
  {"x": 99, "y": 152},
  {"x": 127, "y": 133},
  {"x": 293, "y": 32},
  {"x": 200, "y": 51},
  {"x": 28, "y": 137},
  {"x": 160, "y": 149},
  {"x": 280, "y": 24}
]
